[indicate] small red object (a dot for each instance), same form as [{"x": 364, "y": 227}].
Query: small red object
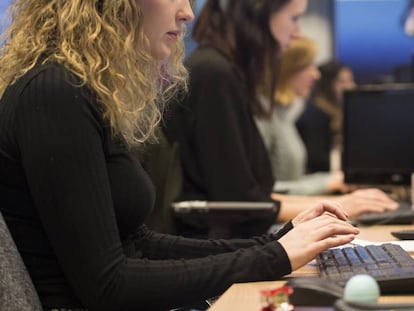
[
  {"x": 280, "y": 290},
  {"x": 276, "y": 299}
]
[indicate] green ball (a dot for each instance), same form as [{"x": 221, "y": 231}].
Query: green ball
[{"x": 362, "y": 288}]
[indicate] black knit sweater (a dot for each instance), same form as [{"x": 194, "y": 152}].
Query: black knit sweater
[{"x": 75, "y": 201}]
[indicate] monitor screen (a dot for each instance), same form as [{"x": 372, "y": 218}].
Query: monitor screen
[{"x": 378, "y": 135}]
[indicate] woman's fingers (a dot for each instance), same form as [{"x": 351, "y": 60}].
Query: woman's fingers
[
  {"x": 377, "y": 196},
  {"x": 334, "y": 241},
  {"x": 328, "y": 226},
  {"x": 367, "y": 200},
  {"x": 311, "y": 237},
  {"x": 332, "y": 207}
]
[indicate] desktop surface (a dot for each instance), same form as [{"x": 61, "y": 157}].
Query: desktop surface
[{"x": 246, "y": 297}]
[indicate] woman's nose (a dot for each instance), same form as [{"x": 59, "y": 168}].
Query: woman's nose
[{"x": 186, "y": 14}]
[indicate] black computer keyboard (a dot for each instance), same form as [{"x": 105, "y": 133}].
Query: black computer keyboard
[
  {"x": 389, "y": 264},
  {"x": 403, "y": 215}
]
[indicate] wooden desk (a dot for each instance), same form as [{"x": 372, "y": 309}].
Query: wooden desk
[
  {"x": 246, "y": 296},
  {"x": 380, "y": 233}
]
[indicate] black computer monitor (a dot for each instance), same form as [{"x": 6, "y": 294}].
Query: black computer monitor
[{"x": 378, "y": 135}]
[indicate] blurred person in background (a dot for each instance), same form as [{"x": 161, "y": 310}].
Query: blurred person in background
[
  {"x": 235, "y": 66},
  {"x": 287, "y": 152},
  {"x": 320, "y": 125}
]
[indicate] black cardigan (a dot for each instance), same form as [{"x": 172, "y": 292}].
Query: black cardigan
[
  {"x": 315, "y": 130},
  {"x": 223, "y": 155}
]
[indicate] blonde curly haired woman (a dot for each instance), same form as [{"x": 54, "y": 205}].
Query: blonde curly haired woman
[{"x": 81, "y": 82}]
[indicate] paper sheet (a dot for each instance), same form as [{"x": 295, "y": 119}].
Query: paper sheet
[{"x": 407, "y": 245}]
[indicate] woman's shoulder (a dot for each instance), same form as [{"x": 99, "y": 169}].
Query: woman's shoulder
[
  {"x": 50, "y": 85},
  {"x": 208, "y": 60},
  {"x": 51, "y": 73},
  {"x": 315, "y": 110},
  {"x": 46, "y": 78}
]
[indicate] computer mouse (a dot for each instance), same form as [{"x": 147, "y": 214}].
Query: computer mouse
[{"x": 314, "y": 291}]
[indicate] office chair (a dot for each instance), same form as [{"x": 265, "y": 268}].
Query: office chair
[
  {"x": 16, "y": 288},
  {"x": 163, "y": 164}
]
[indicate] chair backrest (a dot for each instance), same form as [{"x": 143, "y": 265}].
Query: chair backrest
[
  {"x": 16, "y": 288},
  {"x": 163, "y": 165}
]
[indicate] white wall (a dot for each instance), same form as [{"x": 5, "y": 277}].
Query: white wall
[{"x": 317, "y": 24}]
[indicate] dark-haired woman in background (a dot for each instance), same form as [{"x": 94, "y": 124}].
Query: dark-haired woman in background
[
  {"x": 223, "y": 156},
  {"x": 320, "y": 125}
]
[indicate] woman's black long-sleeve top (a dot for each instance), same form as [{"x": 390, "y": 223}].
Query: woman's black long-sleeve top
[
  {"x": 315, "y": 130},
  {"x": 223, "y": 155},
  {"x": 74, "y": 199}
]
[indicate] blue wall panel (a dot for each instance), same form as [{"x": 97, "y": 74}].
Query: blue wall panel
[{"x": 370, "y": 37}]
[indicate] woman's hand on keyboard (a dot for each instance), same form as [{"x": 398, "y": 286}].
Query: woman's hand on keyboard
[
  {"x": 315, "y": 230},
  {"x": 367, "y": 200},
  {"x": 325, "y": 206}
]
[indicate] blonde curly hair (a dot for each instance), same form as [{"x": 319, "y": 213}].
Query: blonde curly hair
[
  {"x": 300, "y": 54},
  {"x": 101, "y": 42}
]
